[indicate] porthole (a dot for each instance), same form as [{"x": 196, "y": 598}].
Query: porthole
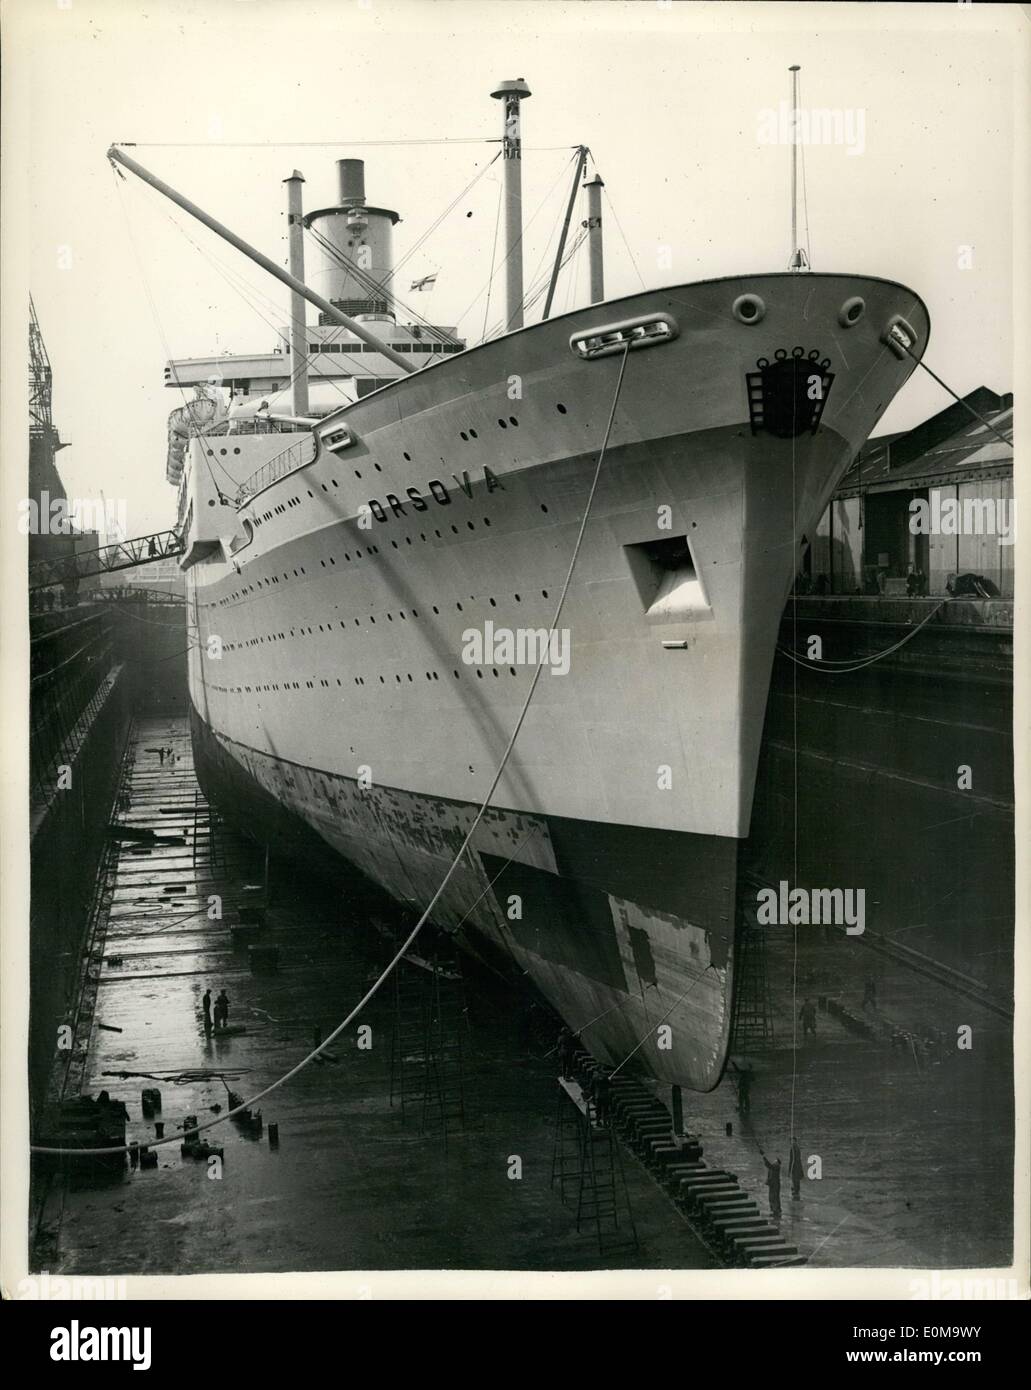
[
  {"x": 473, "y": 434},
  {"x": 561, "y": 408},
  {"x": 513, "y": 421},
  {"x": 408, "y": 457},
  {"x": 464, "y": 435},
  {"x": 503, "y": 424},
  {"x": 543, "y": 507}
]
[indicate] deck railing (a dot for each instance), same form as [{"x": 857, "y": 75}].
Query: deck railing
[{"x": 301, "y": 452}]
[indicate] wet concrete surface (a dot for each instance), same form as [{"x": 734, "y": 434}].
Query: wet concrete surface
[
  {"x": 350, "y": 1185},
  {"x": 914, "y": 1143}
]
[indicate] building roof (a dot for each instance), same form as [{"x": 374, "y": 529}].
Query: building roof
[{"x": 950, "y": 447}]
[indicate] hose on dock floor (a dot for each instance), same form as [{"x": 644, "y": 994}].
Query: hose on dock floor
[{"x": 406, "y": 945}]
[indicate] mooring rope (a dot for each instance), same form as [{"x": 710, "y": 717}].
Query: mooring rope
[
  {"x": 409, "y": 940},
  {"x": 842, "y": 668}
]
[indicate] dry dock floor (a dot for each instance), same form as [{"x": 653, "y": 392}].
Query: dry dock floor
[
  {"x": 350, "y": 1185},
  {"x": 914, "y": 1152}
]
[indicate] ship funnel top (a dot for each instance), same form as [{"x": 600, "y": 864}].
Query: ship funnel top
[{"x": 351, "y": 173}]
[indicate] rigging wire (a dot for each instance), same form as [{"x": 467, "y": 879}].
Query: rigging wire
[
  {"x": 493, "y": 257},
  {"x": 958, "y": 399},
  {"x": 526, "y": 227},
  {"x": 466, "y": 842},
  {"x": 805, "y": 196},
  {"x": 292, "y": 144},
  {"x": 447, "y": 211},
  {"x": 615, "y": 215},
  {"x": 652, "y": 1026}
]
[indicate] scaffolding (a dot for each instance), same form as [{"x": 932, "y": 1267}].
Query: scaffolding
[
  {"x": 753, "y": 1010},
  {"x": 427, "y": 1062},
  {"x": 587, "y": 1161}
]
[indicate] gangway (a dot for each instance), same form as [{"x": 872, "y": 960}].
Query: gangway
[{"x": 122, "y": 555}]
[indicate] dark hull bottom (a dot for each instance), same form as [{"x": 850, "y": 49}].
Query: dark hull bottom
[{"x": 627, "y": 932}]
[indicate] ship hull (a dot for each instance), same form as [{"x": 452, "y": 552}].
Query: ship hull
[
  {"x": 334, "y": 673},
  {"x": 625, "y": 930}
]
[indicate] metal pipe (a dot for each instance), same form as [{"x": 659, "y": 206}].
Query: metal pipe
[
  {"x": 594, "y": 238},
  {"x": 577, "y": 175},
  {"x": 323, "y": 305},
  {"x": 298, "y": 323},
  {"x": 510, "y": 94}
]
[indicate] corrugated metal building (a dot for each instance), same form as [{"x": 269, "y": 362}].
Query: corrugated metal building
[{"x": 872, "y": 540}]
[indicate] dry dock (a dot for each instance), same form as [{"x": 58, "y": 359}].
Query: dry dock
[
  {"x": 351, "y": 1185},
  {"x": 908, "y": 1171}
]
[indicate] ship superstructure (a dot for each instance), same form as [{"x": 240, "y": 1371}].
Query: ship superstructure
[{"x": 371, "y": 590}]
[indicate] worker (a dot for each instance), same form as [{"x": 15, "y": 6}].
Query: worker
[
  {"x": 796, "y": 1170},
  {"x": 601, "y": 1095},
  {"x": 222, "y": 1010},
  {"x": 744, "y": 1089},
  {"x": 566, "y": 1049},
  {"x": 807, "y": 1014},
  {"x": 773, "y": 1184},
  {"x": 161, "y": 756},
  {"x": 206, "y": 1006}
]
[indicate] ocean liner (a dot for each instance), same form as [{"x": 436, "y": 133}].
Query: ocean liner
[{"x": 371, "y": 586}]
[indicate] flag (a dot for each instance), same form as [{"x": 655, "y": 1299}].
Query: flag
[{"x": 426, "y": 283}]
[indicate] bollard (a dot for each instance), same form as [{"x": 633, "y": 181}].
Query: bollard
[
  {"x": 730, "y": 1128},
  {"x": 273, "y": 1135},
  {"x": 148, "y": 1159},
  {"x": 159, "y": 1129}
]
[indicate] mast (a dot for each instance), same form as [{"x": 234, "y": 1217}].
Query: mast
[
  {"x": 798, "y": 260},
  {"x": 577, "y": 176},
  {"x": 594, "y": 238},
  {"x": 510, "y": 94},
  {"x": 298, "y": 322},
  {"x": 323, "y": 305}
]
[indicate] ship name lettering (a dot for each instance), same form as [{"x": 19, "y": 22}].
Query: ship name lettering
[{"x": 437, "y": 490}]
